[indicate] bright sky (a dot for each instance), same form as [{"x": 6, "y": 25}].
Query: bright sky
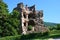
[{"x": 51, "y": 8}]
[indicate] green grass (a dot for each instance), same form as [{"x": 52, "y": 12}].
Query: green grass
[
  {"x": 11, "y": 37},
  {"x": 55, "y": 32},
  {"x": 34, "y": 36}
]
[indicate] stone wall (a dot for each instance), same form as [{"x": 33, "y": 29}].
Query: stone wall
[{"x": 29, "y": 16}]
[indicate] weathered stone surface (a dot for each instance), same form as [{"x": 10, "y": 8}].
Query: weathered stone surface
[{"x": 29, "y": 16}]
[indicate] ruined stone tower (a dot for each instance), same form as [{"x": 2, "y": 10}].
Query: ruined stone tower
[{"x": 30, "y": 16}]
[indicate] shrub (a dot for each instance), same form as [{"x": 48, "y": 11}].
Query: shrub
[
  {"x": 11, "y": 37},
  {"x": 58, "y": 26},
  {"x": 34, "y": 36},
  {"x": 31, "y": 36},
  {"x": 29, "y": 27},
  {"x": 46, "y": 33}
]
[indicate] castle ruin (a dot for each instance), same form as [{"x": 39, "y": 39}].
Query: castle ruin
[{"x": 30, "y": 16}]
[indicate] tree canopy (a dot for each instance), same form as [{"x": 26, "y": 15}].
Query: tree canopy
[{"x": 9, "y": 22}]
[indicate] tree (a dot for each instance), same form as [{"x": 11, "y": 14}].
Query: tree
[
  {"x": 9, "y": 23},
  {"x": 3, "y": 17},
  {"x": 58, "y": 26},
  {"x": 3, "y": 9},
  {"x": 16, "y": 20}
]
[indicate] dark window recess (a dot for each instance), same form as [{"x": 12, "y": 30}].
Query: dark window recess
[
  {"x": 24, "y": 24},
  {"x": 38, "y": 15},
  {"x": 24, "y": 15},
  {"x": 31, "y": 22},
  {"x": 41, "y": 22},
  {"x": 41, "y": 15},
  {"x": 31, "y": 15}
]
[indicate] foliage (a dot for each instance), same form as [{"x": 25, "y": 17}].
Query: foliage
[
  {"x": 15, "y": 14},
  {"x": 3, "y": 9},
  {"x": 29, "y": 27},
  {"x": 9, "y": 22},
  {"x": 11, "y": 37},
  {"x": 58, "y": 26},
  {"x": 23, "y": 37},
  {"x": 53, "y": 34},
  {"x": 52, "y": 27}
]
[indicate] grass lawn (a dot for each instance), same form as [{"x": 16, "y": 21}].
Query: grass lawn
[{"x": 53, "y": 34}]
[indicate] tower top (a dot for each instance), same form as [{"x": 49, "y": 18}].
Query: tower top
[{"x": 20, "y": 5}]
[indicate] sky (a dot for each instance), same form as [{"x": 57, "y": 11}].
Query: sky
[{"x": 51, "y": 8}]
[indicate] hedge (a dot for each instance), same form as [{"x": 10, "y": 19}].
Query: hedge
[
  {"x": 24, "y": 37},
  {"x": 11, "y": 37}
]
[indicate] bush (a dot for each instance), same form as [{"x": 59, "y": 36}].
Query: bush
[
  {"x": 23, "y": 37},
  {"x": 58, "y": 26},
  {"x": 46, "y": 33},
  {"x": 11, "y": 38},
  {"x": 52, "y": 27},
  {"x": 29, "y": 27},
  {"x": 34, "y": 36}
]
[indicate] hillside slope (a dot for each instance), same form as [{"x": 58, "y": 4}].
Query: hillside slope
[{"x": 50, "y": 24}]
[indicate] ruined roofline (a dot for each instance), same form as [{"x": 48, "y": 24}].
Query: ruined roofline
[
  {"x": 29, "y": 7},
  {"x": 37, "y": 11},
  {"x": 20, "y": 3}
]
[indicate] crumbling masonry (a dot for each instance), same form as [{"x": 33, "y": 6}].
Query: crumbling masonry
[{"x": 29, "y": 16}]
